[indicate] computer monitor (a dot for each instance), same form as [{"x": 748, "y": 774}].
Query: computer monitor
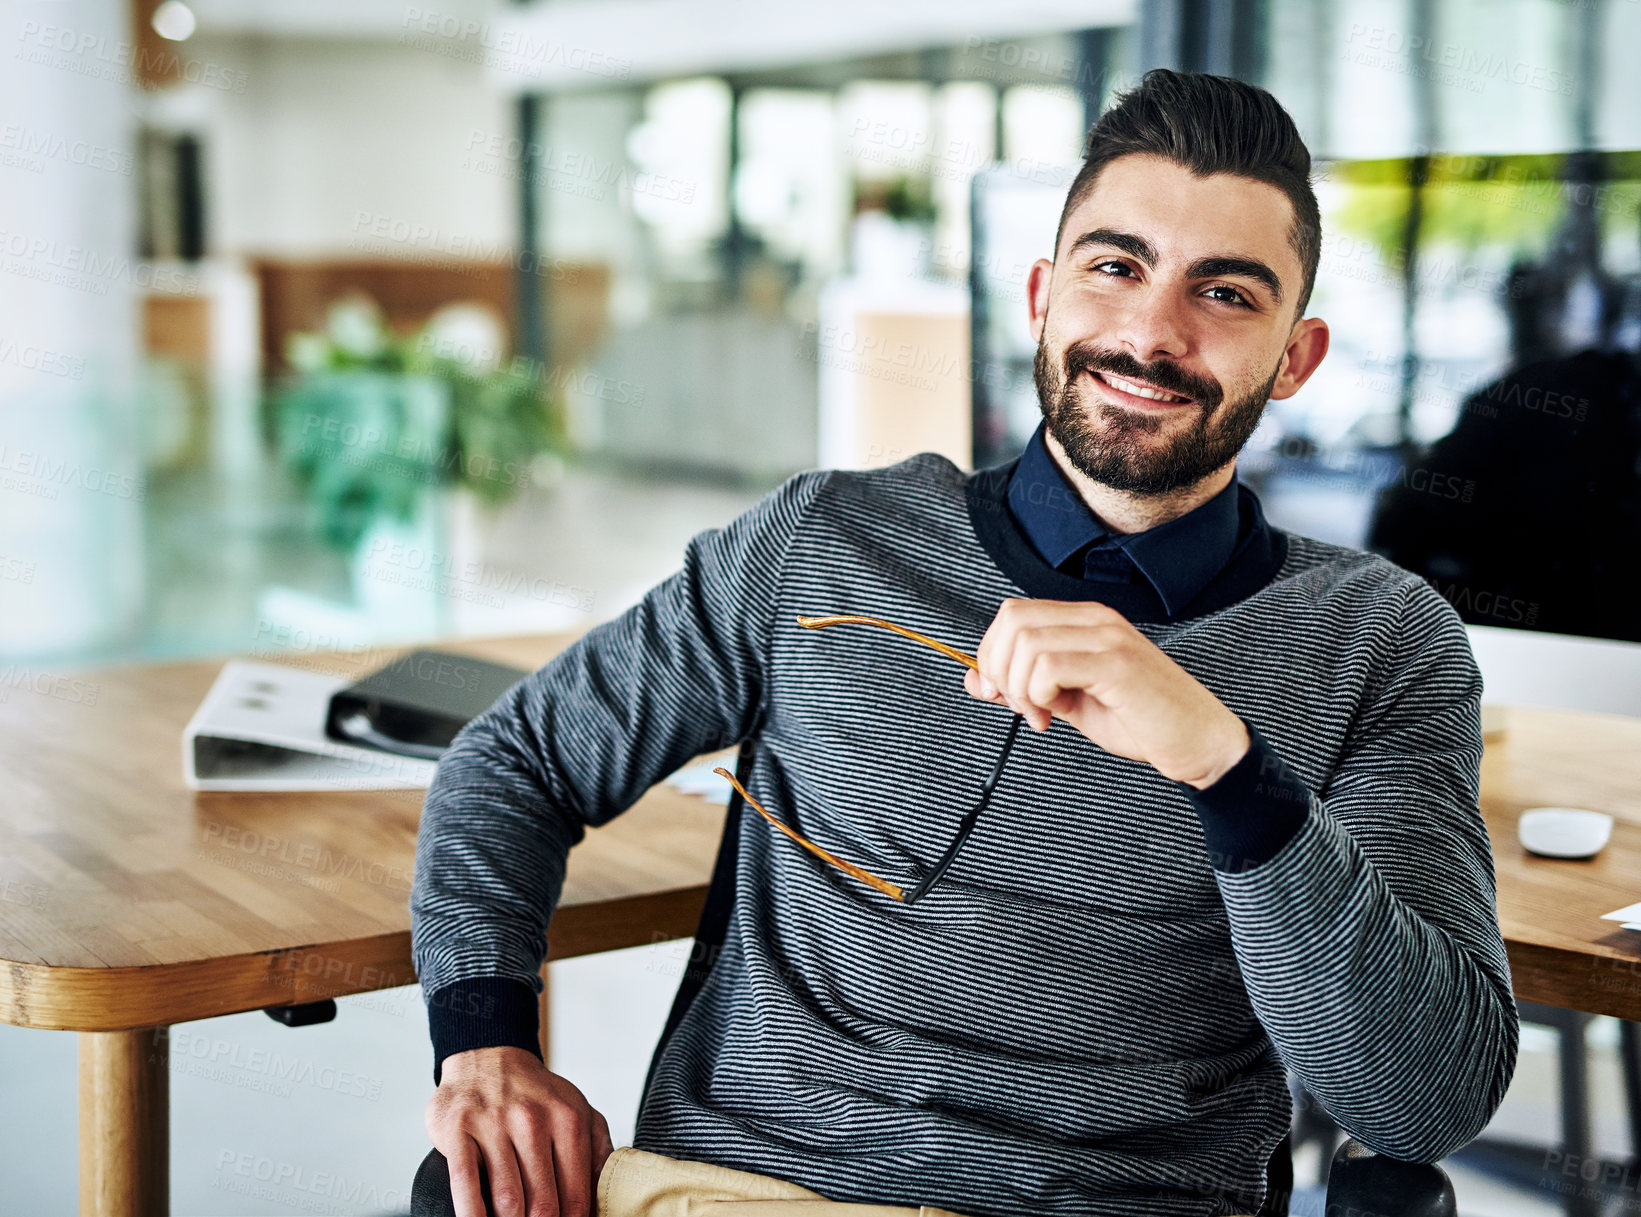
[{"x": 1478, "y": 417}]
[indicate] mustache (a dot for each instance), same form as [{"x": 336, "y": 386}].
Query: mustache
[{"x": 1168, "y": 377}]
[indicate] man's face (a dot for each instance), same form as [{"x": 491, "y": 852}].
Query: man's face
[{"x": 1172, "y": 283}]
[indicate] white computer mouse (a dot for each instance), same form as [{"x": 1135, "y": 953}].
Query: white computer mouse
[{"x": 1564, "y": 832}]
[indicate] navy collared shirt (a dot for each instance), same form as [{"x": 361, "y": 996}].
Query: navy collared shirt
[
  {"x": 1178, "y": 558},
  {"x": 1259, "y": 804}
]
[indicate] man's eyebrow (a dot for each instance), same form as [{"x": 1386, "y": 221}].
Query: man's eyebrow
[
  {"x": 1215, "y": 266},
  {"x": 1130, "y": 243}
]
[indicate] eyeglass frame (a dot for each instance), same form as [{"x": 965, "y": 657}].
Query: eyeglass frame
[{"x": 965, "y": 826}]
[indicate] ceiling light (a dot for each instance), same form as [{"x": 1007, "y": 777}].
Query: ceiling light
[{"x": 173, "y": 20}]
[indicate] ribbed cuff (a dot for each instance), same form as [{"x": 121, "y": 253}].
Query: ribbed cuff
[
  {"x": 482, "y": 1012},
  {"x": 1254, "y": 809}
]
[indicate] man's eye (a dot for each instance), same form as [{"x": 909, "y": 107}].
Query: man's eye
[
  {"x": 1236, "y": 297},
  {"x": 1114, "y": 270}
]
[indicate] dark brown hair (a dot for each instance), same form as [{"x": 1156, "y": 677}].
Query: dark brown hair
[{"x": 1209, "y": 124}]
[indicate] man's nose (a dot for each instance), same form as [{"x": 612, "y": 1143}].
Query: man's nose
[{"x": 1154, "y": 327}]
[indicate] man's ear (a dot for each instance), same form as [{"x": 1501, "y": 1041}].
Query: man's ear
[
  {"x": 1303, "y": 355},
  {"x": 1037, "y": 284}
]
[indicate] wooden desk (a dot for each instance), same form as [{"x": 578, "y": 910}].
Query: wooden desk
[
  {"x": 128, "y": 903},
  {"x": 1561, "y": 952}
]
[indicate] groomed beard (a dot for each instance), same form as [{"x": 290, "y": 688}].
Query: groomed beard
[{"x": 1109, "y": 452}]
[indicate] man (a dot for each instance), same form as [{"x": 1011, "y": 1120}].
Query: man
[{"x": 1241, "y": 835}]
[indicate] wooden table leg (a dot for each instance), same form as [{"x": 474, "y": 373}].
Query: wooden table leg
[{"x": 125, "y": 1123}]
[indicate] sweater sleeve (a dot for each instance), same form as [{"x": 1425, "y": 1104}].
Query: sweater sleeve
[
  {"x": 1369, "y": 941},
  {"x": 574, "y": 744}
]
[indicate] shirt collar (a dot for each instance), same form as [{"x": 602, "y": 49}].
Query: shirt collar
[{"x": 1179, "y": 558}]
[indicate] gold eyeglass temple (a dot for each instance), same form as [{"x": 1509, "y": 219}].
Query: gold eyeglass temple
[
  {"x": 849, "y": 868},
  {"x": 815, "y": 623},
  {"x": 865, "y": 876}
]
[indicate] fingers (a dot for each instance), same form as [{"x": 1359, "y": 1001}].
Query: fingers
[
  {"x": 535, "y": 1155},
  {"x": 1055, "y": 678},
  {"x": 1043, "y": 670},
  {"x": 506, "y": 1185},
  {"x": 602, "y": 1147},
  {"x": 974, "y": 684},
  {"x": 502, "y": 1111},
  {"x": 1017, "y": 615},
  {"x": 977, "y": 685},
  {"x": 1020, "y": 628},
  {"x": 980, "y": 687},
  {"x": 1016, "y": 675},
  {"x": 573, "y": 1158},
  {"x": 1040, "y": 668},
  {"x": 463, "y": 1160}
]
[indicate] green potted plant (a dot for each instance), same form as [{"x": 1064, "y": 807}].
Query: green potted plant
[
  {"x": 372, "y": 422},
  {"x": 910, "y": 200}
]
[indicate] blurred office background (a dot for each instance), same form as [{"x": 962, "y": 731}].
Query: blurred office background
[{"x": 334, "y": 325}]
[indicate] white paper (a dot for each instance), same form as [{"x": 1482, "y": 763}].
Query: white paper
[
  {"x": 700, "y": 780},
  {"x": 1629, "y": 913},
  {"x": 262, "y": 727}
]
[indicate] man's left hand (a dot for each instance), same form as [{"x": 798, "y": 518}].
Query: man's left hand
[{"x": 1084, "y": 662}]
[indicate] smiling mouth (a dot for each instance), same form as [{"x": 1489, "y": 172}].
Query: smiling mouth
[{"x": 1139, "y": 389}]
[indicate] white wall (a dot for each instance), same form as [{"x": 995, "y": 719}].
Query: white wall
[
  {"x": 1525, "y": 668},
  {"x": 328, "y": 131},
  {"x": 339, "y": 147}
]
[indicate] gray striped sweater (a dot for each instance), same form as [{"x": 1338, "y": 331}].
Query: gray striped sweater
[{"x": 1094, "y": 1011}]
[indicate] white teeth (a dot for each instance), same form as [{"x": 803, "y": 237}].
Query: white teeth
[{"x": 1128, "y": 386}]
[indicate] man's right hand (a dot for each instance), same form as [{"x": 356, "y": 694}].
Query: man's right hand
[{"x": 541, "y": 1142}]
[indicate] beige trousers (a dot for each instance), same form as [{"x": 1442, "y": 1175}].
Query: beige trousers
[{"x": 637, "y": 1183}]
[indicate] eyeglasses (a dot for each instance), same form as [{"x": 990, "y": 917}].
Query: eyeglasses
[{"x": 965, "y": 827}]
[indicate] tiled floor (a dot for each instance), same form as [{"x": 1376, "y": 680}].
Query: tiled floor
[{"x": 328, "y": 1119}]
